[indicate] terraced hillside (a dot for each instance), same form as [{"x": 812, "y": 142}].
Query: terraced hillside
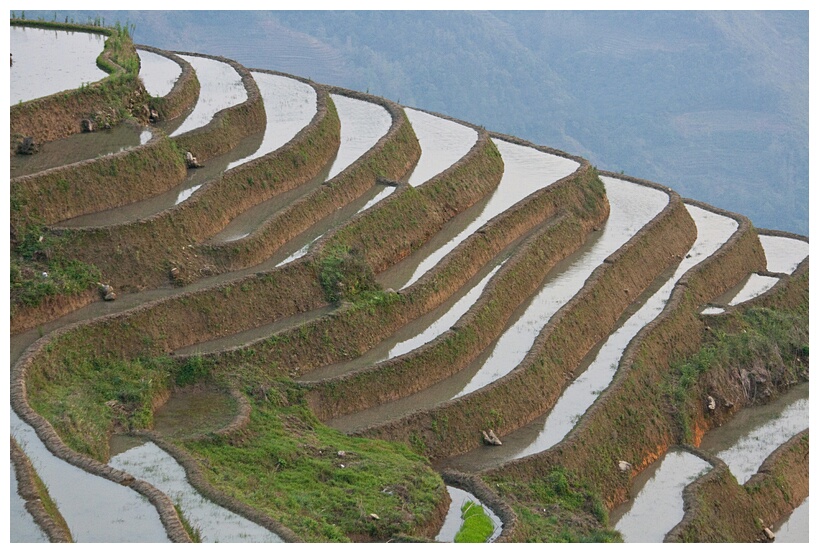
[{"x": 251, "y": 307}]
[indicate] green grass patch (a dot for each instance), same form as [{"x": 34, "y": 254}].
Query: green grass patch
[
  {"x": 477, "y": 526},
  {"x": 775, "y": 340},
  {"x": 39, "y": 269},
  {"x": 555, "y": 508},
  {"x": 320, "y": 483}
]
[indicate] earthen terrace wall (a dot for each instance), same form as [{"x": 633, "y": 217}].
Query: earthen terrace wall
[
  {"x": 780, "y": 485},
  {"x": 59, "y": 115},
  {"x": 631, "y": 420},
  {"x": 532, "y": 387}
]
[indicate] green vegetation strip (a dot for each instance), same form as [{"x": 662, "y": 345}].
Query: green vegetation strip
[
  {"x": 323, "y": 485},
  {"x": 477, "y": 526}
]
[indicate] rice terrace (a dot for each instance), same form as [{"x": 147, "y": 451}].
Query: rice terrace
[{"x": 250, "y": 307}]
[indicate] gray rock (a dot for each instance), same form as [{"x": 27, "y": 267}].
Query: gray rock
[{"x": 624, "y": 466}]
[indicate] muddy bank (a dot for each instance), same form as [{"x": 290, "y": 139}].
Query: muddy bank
[
  {"x": 779, "y": 487},
  {"x": 96, "y": 184},
  {"x": 631, "y": 420},
  {"x": 533, "y": 386}
]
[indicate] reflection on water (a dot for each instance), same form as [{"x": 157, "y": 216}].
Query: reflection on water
[
  {"x": 78, "y": 147},
  {"x": 22, "y": 525},
  {"x": 755, "y": 432},
  {"x": 289, "y": 105},
  {"x": 362, "y": 125},
  {"x": 632, "y": 206},
  {"x": 220, "y": 87},
  {"x": 443, "y": 142},
  {"x": 158, "y": 73},
  {"x": 215, "y": 523},
  {"x": 95, "y": 509},
  {"x": 713, "y": 230},
  {"x": 783, "y": 254},
  {"x": 794, "y": 528},
  {"x": 47, "y": 61},
  {"x": 525, "y": 171},
  {"x": 454, "y": 518},
  {"x": 657, "y": 506},
  {"x": 755, "y": 286}
]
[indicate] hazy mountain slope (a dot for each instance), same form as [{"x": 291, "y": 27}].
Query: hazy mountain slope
[{"x": 713, "y": 104}]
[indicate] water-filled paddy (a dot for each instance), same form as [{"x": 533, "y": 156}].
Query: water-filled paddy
[
  {"x": 443, "y": 142},
  {"x": 158, "y": 73},
  {"x": 215, "y": 523},
  {"x": 783, "y": 254},
  {"x": 220, "y": 87},
  {"x": 362, "y": 125},
  {"x": 95, "y": 509},
  {"x": 47, "y": 61}
]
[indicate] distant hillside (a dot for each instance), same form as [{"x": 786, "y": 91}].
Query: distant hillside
[{"x": 714, "y": 104}]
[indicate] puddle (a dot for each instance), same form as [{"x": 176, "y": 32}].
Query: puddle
[
  {"x": 712, "y": 311},
  {"x": 289, "y": 104},
  {"x": 755, "y": 432},
  {"x": 632, "y": 206},
  {"x": 78, "y": 147},
  {"x": 95, "y": 509},
  {"x": 220, "y": 87},
  {"x": 756, "y": 285},
  {"x": 526, "y": 170},
  {"x": 443, "y": 142},
  {"x": 657, "y": 504},
  {"x": 158, "y": 73},
  {"x": 783, "y": 254},
  {"x": 22, "y": 527},
  {"x": 47, "y": 61},
  {"x": 453, "y": 521},
  {"x": 794, "y": 528},
  {"x": 215, "y": 523},
  {"x": 362, "y": 125},
  {"x": 191, "y": 412}
]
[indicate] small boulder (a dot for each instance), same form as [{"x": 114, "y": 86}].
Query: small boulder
[
  {"x": 769, "y": 535},
  {"x": 712, "y": 403},
  {"x": 87, "y": 125},
  {"x": 490, "y": 438},
  {"x": 375, "y": 516},
  {"x": 27, "y": 146},
  {"x": 154, "y": 116},
  {"x": 624, "y": 466},
  {"x": 191, "y": 161}
]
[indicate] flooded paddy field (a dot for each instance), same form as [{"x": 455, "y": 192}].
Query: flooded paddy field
[
  {"x": 158, "y": 73},
  {"x": 47, "y": 61},
  {"x": 98, "y": 510}
]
